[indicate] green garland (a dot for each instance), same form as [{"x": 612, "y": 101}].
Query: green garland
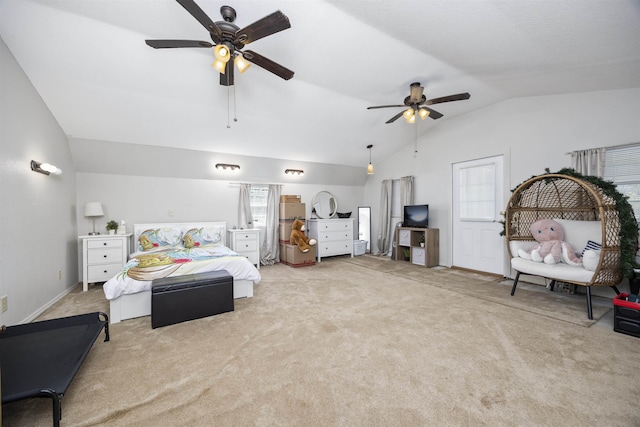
[{"x": 628, "y": 224}]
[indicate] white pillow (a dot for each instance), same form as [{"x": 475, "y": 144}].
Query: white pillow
[
  {"x": 578, "y": 233},
  {"x": 590, "y": 259}
]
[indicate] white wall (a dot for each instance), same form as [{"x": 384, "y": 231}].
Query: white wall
[
  {"x": 37, "y": 212},
  {"x": 532, "y": 133},
  {"x": 143, "y": 199}
]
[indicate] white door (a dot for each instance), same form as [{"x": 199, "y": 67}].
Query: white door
[{"x": 477, "y": 201}]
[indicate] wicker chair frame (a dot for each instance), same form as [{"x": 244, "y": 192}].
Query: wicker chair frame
[{"x": 552, "y": 196}]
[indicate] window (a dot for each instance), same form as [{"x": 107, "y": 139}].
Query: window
[
  {"x": 258, "y": 202},
  {"x": 478, "y": 193},
  {"x": 622, "y": 167}
]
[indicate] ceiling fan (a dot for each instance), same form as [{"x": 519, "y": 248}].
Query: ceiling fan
[
  {"x": 229, "y": 40},
  {"x": 418, "y": 103}
]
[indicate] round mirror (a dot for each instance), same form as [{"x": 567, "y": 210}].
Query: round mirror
[{"x": 325, "y": 205}]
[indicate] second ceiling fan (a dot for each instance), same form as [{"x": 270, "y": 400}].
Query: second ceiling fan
[
  {"x": 229, "y": 40},
  {"x": 418, "y": 103}
]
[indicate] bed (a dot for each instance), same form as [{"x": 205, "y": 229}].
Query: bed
[
  {"x": 40, "y": 359},
  {"x": 174, "y": 249}
]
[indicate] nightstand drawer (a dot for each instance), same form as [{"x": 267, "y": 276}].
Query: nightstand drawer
[
  {"x": 102, "y": 273},
  {"x": 242, "y": 246},
  {"x": 104, "y": 243},
  {"x": 104, "y": 256},
  {"x": 241, "y": 237}
]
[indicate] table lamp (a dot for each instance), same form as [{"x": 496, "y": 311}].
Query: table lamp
[{"x": 93, "y": 210}]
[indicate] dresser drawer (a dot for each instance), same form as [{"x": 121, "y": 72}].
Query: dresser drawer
[
  {"x": 102, "y": 273},
  {"x": 104, "y": 256},
  {"x": 104, "y": 243},
  {"x": 335, "y": 226},
  {"x": 335, "y": 248},
  {"x": 327, "y": 236}
]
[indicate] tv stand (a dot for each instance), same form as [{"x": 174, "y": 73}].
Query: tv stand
[{"x": 408, "y": 246}]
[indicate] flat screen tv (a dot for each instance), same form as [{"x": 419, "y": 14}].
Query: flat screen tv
[{"x": 416, "y": 216}]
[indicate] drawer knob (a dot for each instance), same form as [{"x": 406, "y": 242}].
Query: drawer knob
[
  {"x": 104, "y": 243},
  {"x": 105, "y": 271},
  {"x": 105, "y": 256}
]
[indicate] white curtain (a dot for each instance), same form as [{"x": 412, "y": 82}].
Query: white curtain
[
  {"x": 406, "y": 192},
  {"x": 589, "y": 162},
  {"x": 384, "y": 226},
  {"x": 245, "y": 220},
  {"x": 270, "y": 247}
]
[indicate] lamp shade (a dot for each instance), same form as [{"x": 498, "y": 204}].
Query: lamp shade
[
  {"x": 93, "y": 209},
  {"x": 222, "y": 53},
  {"x": 241, "y": 63},
  {"x": 424, "y": 113}
]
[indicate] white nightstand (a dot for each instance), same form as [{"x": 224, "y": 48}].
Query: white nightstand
[
  {"x": 103, "y": 256},
  {"x": 247, "y": 243}
]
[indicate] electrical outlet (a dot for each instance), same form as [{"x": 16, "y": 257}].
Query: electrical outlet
[
  {"x": 59, "y": 274},
  {"x": 5, "y": 303}
]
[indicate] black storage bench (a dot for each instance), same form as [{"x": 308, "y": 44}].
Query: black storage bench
[{"x": 192, "y": 296}]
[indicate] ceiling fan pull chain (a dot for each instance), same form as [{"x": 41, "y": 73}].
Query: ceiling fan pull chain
[
  {"x": 415, "y": 140},
  {"x": 228, "y": 105},
  {"x": 235, "y": 114}
]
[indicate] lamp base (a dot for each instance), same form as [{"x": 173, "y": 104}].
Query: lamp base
[{"x": 94, "y": 233}]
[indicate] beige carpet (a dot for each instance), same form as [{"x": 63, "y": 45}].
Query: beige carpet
[{"x": 356, "y": 342}]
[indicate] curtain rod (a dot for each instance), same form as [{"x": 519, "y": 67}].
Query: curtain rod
[
  {"x": 631, "y": 144},
  {"x": 254, "y": 183}
]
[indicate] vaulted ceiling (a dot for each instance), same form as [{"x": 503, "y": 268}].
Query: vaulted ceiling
[{"x": 91, "y": 66}]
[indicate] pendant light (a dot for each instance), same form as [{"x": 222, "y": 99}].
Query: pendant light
[{"x": 370, "y": 167}]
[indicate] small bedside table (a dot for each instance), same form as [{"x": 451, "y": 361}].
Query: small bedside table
[
  {"x": 247, "y": 243},
  {"x": 103, "y": 256}
]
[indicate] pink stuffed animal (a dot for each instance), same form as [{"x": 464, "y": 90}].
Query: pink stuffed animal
[{"x": 550, "y": 249}]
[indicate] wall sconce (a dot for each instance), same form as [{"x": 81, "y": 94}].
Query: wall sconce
[
  {"x": 294, "y": 171},
  {"x": 45, "y": 168},
  {"x": 226, "y": 166},
  {"x": 370, "y": 167}
]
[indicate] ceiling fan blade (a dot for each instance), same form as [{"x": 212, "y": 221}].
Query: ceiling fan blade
[
  {"x": 384, "y": 106},
  {"x": 202, "y": 18},
  {"x": 267, "y": 64},
  {"x": 432, "y": 113},
  {"x": 167, "y": 44},
  {"x": 456, "y": 97},
  {"x": 394, "y": 118},
  {"x": 266, "y": 26}
]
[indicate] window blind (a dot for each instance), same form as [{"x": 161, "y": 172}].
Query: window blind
[{"x": 622, "y": 167}]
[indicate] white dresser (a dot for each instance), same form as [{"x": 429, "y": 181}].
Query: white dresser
[
  {"x": 334, "y": 236},
  {"x": 247, "y": 243},
  {"x": 103, "y": 256}
]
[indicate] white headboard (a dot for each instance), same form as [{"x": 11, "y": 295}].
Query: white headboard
[{"x": 182, "y": 226}]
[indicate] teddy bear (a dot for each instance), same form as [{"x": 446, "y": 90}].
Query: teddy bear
[
  {"x": 299, "y": 238},
  {"x": 551, "y": 248}
]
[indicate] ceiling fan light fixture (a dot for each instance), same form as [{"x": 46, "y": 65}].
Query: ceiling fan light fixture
[
  {"x": 408, "y": 114},
  {"x": 411, "y": 119},
  {"x": 222, "y": 52},
  {"x": 241, "y": 63},
  {"x": 219, "y": 66},
  {"x": 423, "y": 113}
]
